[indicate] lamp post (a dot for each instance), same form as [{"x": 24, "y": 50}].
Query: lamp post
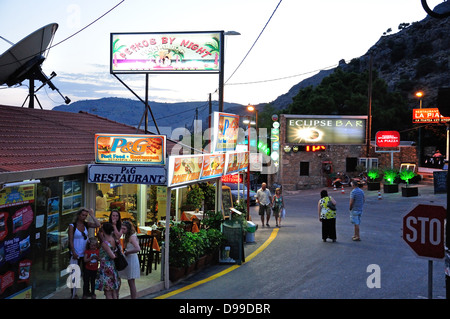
[
  {"x": 420, "y": 95},
  {"x": 222, "y": 65},
  {"x": 250, "y": 108}
]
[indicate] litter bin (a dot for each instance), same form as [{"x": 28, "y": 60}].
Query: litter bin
[{"x": 250, "y": 235}]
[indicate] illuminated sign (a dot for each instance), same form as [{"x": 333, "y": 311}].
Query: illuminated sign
[
  {"x": 387, "y": 138},
  {"x": 428, "y": 115},
  {"x": 275, "y": 143},
  {"x": 263, "y": 147},
  {"x": 316, "y": 129},
  {"x": 126, "y": 174},
  {"x": 175, "y": 52},
  {"x": 225, "y": 132},
  {"x": 234, "y": 179},
  {"x": 130, "y": 149}
]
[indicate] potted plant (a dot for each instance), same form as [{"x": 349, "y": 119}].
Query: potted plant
[
  {"x": 406, "y": 175},
  {"x": 182, "y": 253},
  {"x": 195, "y": 197},
  {"x": 390, "y": 176},
  {"x": 215, "y": 239},
  {"x": 373, "y": 184}
]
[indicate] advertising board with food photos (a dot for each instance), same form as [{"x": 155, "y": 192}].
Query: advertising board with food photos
[
  {"x": 130, "y": 149},
  {"x": 185, "y": 169}
]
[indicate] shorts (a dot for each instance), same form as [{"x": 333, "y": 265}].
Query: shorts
[
  {"x": 264, "y": 208},
  {"x": 355, "y": 217}
]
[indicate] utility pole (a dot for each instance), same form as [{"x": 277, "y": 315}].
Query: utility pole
[{"x": 369, "y": 109}]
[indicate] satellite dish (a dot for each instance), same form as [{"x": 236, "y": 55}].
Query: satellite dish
[{"x": 24, "y": 59}]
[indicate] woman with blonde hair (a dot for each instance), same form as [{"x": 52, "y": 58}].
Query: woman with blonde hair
[{"x": 131, "y": 244}]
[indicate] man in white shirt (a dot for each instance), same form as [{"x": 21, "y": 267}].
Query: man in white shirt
[{"x": 263, "y": 197}]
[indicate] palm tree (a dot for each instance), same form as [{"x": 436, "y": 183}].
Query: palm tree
[
  {"x": 214, "y": 48},
  {"x": 116, "y": 50}
]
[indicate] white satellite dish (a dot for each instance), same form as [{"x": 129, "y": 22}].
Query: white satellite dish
[{"x": 23, "y": 62}]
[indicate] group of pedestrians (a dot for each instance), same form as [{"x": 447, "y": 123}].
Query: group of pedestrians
[
  {"x": 327, "y": 214},
  {"x": 326, "y": 208},
  {"x": 269, "y": 203},
  {"x": 95, "y": 255}
]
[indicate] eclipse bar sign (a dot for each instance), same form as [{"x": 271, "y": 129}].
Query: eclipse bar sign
[
  {"x": 175, "y": 52},
  {"x": 387, "y": 138}
]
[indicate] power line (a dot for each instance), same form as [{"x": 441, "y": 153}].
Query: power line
[
  {"x": 254, "y": 42},
  {"x": 285, "y": 77},
  {"x": 74, "y": 34}
]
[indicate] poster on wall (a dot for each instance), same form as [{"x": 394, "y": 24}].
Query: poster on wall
[
  {"x": 175, "y": 52},
  {"x": 225, "y": 130},
  {"x": 325, "y": 129},
  {"x": 13, "y": 196},
  {"x": 16, "y": 227}
]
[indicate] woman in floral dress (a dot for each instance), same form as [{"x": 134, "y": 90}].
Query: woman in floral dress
[{"x": 108, "y": 279}]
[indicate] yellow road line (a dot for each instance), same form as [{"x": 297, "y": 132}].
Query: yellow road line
[{"x": 223, "y": 272}]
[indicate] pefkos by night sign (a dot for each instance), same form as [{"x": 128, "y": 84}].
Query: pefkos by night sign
[{"x": 175, "y": 52}]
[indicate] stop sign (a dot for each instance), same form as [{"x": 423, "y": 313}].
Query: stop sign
[{"x": 423, "y": 230}]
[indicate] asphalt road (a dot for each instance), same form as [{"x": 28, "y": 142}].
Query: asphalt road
[{"x": 296, "y": 264}]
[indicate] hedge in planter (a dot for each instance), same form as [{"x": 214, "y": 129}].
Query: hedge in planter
[
  {"x": 406, "y": 175},
  {"x": 373, "y": 184}
]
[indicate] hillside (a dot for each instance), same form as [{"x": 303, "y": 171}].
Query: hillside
[{"x": 168, "y": 116}]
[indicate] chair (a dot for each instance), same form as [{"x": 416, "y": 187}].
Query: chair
[
  {"x": 145, "y": 255},
  {"x": 158, "y": 236}
]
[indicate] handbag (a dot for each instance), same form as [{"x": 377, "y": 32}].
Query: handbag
[
  {"x": 120, "y": 261},
  {"x": 330, "y": 205}
]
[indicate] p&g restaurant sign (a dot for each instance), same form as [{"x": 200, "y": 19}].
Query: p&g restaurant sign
[
  {"x": 126, "y": 174},
  {"x": 130, "y": 149}
]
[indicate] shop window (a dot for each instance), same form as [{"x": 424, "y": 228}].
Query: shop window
[
  {"x": 368, "y": 162},
  {"x": 304, "y": 168}
]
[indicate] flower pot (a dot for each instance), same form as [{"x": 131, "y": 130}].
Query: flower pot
[
  {"x": 176, "y": 273},
  {"x": 373, "y": 186},
  {"x": 390, "y": 188},
  {"x": 410, "y": 191}
]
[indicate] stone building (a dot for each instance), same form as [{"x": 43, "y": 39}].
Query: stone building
[{"x": 305, "y": 164}]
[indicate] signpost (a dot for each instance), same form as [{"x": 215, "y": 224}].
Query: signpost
[{"x": 423, "y": 231}]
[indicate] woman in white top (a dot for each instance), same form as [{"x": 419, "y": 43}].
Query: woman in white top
[
  {"x": 131, "y": 244},
  {"x": 78, "y": 232},
  {"x": 78, "y": 237}
]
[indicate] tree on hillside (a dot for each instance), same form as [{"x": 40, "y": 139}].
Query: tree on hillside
[{"x": 346, "y": 93}]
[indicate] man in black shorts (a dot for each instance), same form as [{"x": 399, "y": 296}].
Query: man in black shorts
[{"x": 265, "y": 204}]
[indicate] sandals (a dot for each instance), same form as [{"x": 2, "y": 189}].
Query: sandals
[{"x": 356, "y": 238}]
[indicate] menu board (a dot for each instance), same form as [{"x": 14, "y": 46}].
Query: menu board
[{"x": 227, "y": 200}]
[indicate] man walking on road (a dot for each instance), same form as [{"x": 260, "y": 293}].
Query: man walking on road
[
  {"x": 263, "y": 196},
  {"x": 356, "y": 208}
]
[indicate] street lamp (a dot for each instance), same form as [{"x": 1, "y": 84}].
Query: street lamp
[
  {"x": 250, "y": 108},
  {"x": 420, "y": 95}
]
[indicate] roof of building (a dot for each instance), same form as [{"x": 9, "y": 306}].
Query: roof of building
[{"x": 33, "y": 139}]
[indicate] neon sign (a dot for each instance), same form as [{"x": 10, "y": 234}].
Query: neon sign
[{"x": 235, "y": 178}]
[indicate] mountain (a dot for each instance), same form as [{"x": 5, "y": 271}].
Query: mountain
[{"x": 168, "y": 116}]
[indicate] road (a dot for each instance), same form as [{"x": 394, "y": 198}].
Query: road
[{"x": 296, "y": 264}]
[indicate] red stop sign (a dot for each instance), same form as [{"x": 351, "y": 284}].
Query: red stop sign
[{"x": 423, "y": 230}]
